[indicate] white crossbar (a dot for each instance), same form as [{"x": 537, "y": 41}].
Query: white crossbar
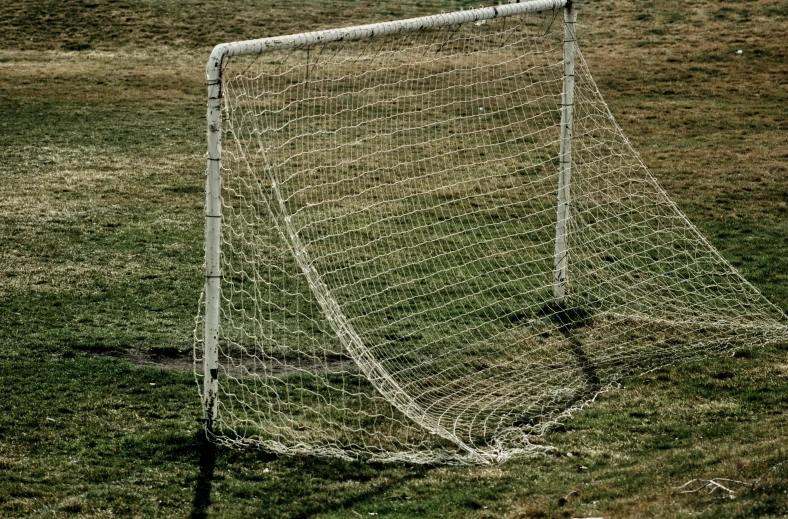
[{"x": 224, "y": 50}]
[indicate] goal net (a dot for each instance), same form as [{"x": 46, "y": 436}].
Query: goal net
[{"x": 386, "y": 282}]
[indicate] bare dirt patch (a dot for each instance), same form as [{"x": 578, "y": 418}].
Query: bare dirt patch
[{"x": 273, "y": 367}]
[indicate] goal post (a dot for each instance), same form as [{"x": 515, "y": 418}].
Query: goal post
[
  {"x": 256, "y": 47},
  {"x": 389, "y": 213},
  {"x": 213, "y": 230},
  {"x": 565, "y": 156}
]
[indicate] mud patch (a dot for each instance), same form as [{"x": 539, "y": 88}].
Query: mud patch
[
  {"x": 179, "y": 362},
  {"x": 270, "y": 367}
]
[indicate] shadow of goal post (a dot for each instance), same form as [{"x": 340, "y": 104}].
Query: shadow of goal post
[{"x": 213, "y": 213}]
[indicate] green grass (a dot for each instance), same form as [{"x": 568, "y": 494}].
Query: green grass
[
  {"x": 102, "y": 437},
  {"x": 101, "y": 219}
]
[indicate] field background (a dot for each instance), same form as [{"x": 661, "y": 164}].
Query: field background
[{"x": 102, "y": 136}]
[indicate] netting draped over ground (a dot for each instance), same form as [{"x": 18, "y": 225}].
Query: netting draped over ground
[{"x": 389, "y": 214}]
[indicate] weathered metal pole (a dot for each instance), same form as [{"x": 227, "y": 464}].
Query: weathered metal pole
[
  {"x": 213, "y": 228},
  {"x": 376, "y": 30},
  {"x": 565, "y": 154}
]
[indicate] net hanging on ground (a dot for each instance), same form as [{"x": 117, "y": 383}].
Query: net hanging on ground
[{"x": 388, "y": 240}]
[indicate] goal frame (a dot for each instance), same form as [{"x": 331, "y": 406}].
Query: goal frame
[{"x": 213, "y": 204}]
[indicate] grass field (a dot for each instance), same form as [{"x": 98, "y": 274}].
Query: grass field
[{"x": 102, "y": 224}]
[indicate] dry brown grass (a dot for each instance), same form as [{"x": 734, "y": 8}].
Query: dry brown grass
[{"x": 708, "y": 122}]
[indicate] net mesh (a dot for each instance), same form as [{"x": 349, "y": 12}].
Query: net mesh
[{"x": 389, "y": 215}]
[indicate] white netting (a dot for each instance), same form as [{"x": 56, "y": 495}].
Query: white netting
[{"x": 389, "y": 214}]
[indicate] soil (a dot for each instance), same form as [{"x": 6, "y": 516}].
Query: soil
[{"x": 271, "y": 367}]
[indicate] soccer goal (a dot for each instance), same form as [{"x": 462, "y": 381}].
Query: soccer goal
[{"x": 428, "y": 240}]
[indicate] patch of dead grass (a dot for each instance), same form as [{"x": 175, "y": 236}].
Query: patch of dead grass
[{"x": 129, "y": 75}]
